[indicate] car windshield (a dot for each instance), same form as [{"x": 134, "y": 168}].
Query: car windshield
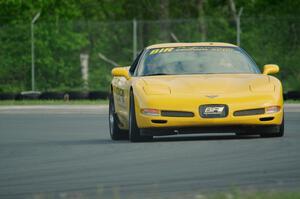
[{"x": 196, "y": 60}]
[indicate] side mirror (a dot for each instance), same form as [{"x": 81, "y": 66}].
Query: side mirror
[
  {"x": 270, "y": 69},
  {"x": 121, "y": 72}
]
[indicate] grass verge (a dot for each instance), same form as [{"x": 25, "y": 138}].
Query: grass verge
[
  {"x": 255, "y": 195},
  {"x": 115, "y": 194},
  {"x": 292, "y": 101},
  {"x": 52, "y": 102}
]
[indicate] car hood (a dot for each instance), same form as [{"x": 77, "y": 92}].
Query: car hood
[{"x": 207, "y": 84}]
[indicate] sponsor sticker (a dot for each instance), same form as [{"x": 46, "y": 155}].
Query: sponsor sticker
[
  {"x": 161, "y": 50},
  {"x": 213, "y": 110}
]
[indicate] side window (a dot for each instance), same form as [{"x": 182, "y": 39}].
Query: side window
[{"x": 135, "y": 63}]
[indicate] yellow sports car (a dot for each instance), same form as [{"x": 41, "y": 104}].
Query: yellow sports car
[{"x": 178, "y": 88}]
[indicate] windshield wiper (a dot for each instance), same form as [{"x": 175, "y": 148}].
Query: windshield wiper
[{"x": 153, "y": 74}]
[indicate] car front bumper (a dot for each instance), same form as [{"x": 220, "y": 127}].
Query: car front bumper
[{"x": 189, "y": 104}]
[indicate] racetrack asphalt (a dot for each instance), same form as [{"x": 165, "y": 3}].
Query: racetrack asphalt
[{"x": 66, "y": 151}]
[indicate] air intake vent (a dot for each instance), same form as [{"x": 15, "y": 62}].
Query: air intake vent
[
  {"x": 159, "y": 121},
  {"x": 177, "y": 114},
  {"x": 266, "y": 118},
  {"x": 257, "y": 111}
]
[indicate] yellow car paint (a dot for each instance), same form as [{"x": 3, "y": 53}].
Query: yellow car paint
[{"x": 188, "y": 92}]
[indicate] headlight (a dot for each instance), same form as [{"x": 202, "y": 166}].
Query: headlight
[
  {"x": 157, "y": 90},
  {"x": 262, "y": 88},
  {"x": 150, "y": 112},
  {"x": 272, "y": 109}
]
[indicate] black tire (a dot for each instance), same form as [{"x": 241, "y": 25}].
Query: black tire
[
  {"x": 134, "y": 131},
  {"x": 95, "y": 95},
  {"x": 115, "y": 132},
  {"x": 52, "y": 96},
  {"x": 7, "y": 96},
  {"x": 78, "y": 95},
  {"x": 279, "y": 133}
]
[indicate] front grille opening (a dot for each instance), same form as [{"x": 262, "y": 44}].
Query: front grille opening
[
  {"x": 257, "y": 111},
  {"x": 159, "y": 121},
  {"x": 213, "y": 110},
  {"x": 177, "y": 114},
  {"x": 266, "y": 119}
]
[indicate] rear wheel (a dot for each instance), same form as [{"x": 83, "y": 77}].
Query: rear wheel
[
  {"x": 278, "y": 133},
  {"x": 134, "y": 131},
  {"x": 115, "y": 132}
]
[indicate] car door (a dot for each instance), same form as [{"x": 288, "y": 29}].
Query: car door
[
  {"x": 120, "y": 87},
  {"x": 121, "y": 90}
]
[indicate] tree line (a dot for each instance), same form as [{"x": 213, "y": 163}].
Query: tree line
[{"x": 68, "y": 29}]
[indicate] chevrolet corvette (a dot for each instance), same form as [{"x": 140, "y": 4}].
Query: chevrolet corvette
[{"x": 182, "y": 88}]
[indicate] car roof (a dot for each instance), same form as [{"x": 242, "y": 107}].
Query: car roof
[{"x": 170, "y": 45}]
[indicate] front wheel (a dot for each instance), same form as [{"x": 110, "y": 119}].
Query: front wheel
[
  {"x": 134, "y": 131},
  {"x": 278, "y": 133},
  {"x": 115, "y": 132}
]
